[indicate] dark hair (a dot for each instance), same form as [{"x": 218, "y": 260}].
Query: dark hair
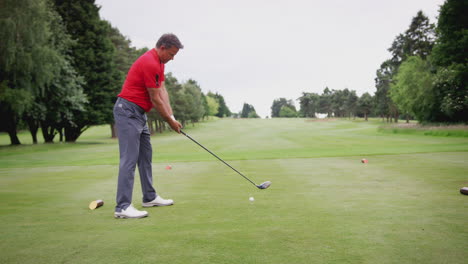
[{"x": 169, "y": 40}]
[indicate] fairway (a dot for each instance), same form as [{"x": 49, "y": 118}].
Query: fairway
[{"x": 324, "y": 205}]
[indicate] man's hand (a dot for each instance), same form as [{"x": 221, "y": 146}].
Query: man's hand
[{"x": 174, "y": 124}]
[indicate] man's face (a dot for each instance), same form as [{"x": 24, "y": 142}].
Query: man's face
[{"x": 167, "y": 54}]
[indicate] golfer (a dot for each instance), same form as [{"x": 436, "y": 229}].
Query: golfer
[{"x": 142, "y": 90}]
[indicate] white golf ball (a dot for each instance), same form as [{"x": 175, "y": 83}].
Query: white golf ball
[{"x": 251, "y": 199}]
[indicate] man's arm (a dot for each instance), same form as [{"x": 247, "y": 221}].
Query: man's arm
[{"x": 160, "y": 99}]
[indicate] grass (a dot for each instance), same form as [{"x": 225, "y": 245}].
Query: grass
[
  {"x": 324, "y": 206},
  {"x": 427, "y": 130}
]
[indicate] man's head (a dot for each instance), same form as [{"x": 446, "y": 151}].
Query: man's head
[{"x": 167, "y": 47}]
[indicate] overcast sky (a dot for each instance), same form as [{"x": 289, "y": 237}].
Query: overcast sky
[{"x": 256, "y": 51}]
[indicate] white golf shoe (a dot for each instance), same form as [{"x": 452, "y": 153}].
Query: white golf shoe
[
  {"x": 130, "y": 212},
  {"x": 159, "y": 201}
]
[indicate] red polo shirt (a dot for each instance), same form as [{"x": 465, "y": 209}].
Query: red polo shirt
[{"x": 146, "y": 72}]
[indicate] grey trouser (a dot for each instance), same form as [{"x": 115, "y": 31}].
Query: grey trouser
[{"x": 134, "y": 147}]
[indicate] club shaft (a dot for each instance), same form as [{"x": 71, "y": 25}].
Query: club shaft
[{"x": 217, "y": 157}]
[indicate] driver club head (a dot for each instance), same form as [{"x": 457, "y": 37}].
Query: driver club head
[{"x": 264, "y": 185}]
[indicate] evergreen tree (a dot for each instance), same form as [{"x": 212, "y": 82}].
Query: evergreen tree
[
  {"x": 278, "y": 103},
  {"x": 450, "y": 54},
  {"x": 223, "y": 110},
  {"x": 384, "y": 104},
  {"x": 325, "y": 102},
  {"x": 309, "y": 104},
  {"x": 248, "y": 111},
  {"x": 365, "y": 105},
  {"x": 351, "y": 103},
  {"x": 92, "y": 55},
  {"x": 417, "y": 40}
]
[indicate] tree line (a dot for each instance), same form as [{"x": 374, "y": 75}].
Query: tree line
[
  {"x": 61, "y": 67},
  {"x": 189, "y": 104},
  {"x": 425, "y": 78},
  {"x": 333, "y": 103}
]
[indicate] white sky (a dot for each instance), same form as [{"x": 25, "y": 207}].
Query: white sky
[{"x": 256, "y": 51}]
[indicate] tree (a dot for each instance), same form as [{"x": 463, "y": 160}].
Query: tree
[
  {"x": 64, "y": 97},
  {"x": 384, "y": 104},
  {"x": 451, "y": 86},
  {"x": 54, "y": 104},
  {"x": 338, "y": 102},
  {"x": 92, "y": 55},
  {"x": 413, "y": 90},
  {"x": 212, "y": 105},
  {"x": 248, "y": 111},
  {"x": 187, "y": 101},
  {"x": 287, "y": 111},
  {"x": 351, "y": 103},
  {"x": 449, "y": 54},
  {"x": 195, "y": 109},
  {"x": 452, "y": 33},
  {"x": 223, "y": 110},
  {"x": 418, "y": 40},
  {"x": 253, "y": 114},
  {"x": 278, "y": 103},
  {"x": 365, "y": 104},
  {"x": 28, "y": 59},
  {"x": 309, "y": 105},
  {"x": 325, "y": 102}
]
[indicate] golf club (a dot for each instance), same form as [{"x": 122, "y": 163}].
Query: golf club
[{"x": 260, "y": 186}]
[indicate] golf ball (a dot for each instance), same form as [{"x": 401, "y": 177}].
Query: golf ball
[{"x": 251, "y": 199}]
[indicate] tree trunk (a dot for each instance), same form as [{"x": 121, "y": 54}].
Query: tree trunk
[
  {"x": 151, "y": 126},
  {"x": 365, "y": 116},
  {"x": 160, "y": 126},
  {"x": 48, "y": 132},
  {"x": 72, "y": 133},
  {"x": 60, "y": 131},
  {"x": 33, "y": 127},
  {"x": 14, "y": 138},
  {"x": 113, "y": 130},
  {"x": 9, "y": 125},
  {"x": 396, "y": 115}
]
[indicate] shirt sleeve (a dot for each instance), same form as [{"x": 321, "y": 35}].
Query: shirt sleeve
[{"x": 153, "y": 76}]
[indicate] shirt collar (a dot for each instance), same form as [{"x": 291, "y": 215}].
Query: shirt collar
[{"x": 155, "y": 54}]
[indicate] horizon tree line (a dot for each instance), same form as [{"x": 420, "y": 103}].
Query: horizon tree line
[
  {"x": 61, "y": 67},
  {"x": 426, "y": 77}
]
